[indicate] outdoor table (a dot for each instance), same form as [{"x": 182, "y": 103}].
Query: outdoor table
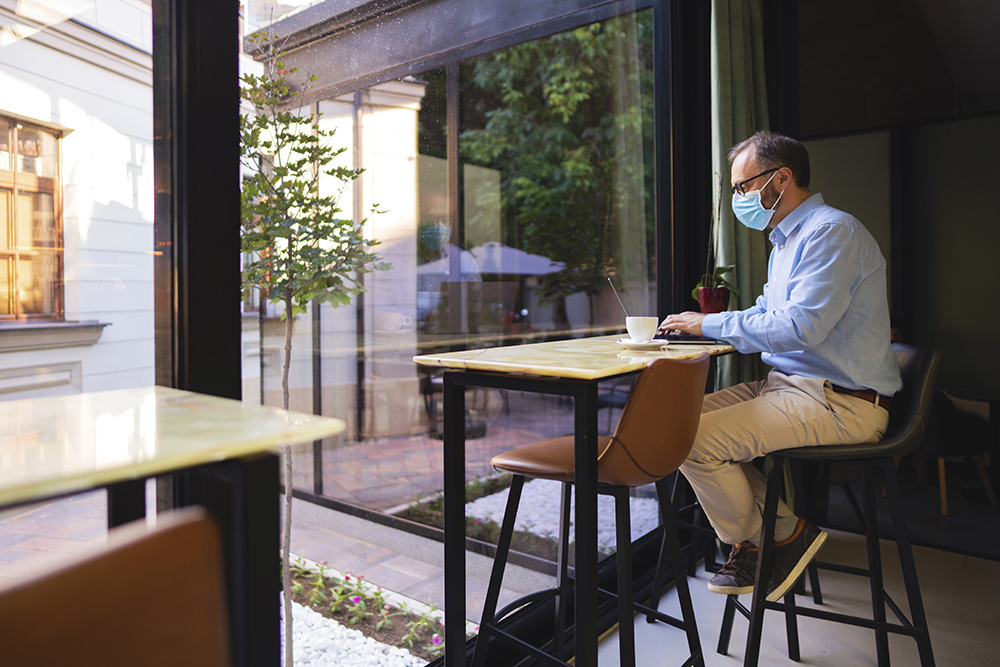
[
  {"x": 221, "y": 451},
  {"x": 571, "y": 368}
]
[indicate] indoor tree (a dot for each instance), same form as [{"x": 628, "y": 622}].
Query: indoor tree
[{"x": 298, "y": 246}]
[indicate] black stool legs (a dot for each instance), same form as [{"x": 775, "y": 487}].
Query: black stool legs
[
  {"x": 488, "y": 630},
  {"x": 870, "y": 483},
  {"x": 915, "y": 626},
  {"x": 671, "y": 548},
  {"x": 908, "y": 566},
  {"x": 623, "y": 546}
]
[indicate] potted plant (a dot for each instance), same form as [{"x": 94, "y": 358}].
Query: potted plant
[{"x": 713, "y": 290}]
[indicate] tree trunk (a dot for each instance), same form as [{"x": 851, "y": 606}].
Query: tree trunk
[{"x": 286, "y": 540}]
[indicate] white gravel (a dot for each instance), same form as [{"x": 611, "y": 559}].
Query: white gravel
[
  {"x": 538, "y": 512},
  {"x": 323, "y": 642}
]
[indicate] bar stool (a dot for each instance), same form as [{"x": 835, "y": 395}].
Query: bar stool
[
  {"x": 907, "y": 421},
  {"x": 653, "y": 437}
]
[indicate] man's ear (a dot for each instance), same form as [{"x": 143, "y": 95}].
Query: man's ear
[{"x": 785, "y": 177}]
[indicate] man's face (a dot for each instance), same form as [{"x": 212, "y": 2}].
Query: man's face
[{"x": 745, "y": 167}]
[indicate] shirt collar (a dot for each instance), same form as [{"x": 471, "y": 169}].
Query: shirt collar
[{"x": 785, "y": 228}]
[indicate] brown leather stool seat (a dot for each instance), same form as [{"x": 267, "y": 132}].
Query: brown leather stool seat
[{"x": 653, "y": 437}]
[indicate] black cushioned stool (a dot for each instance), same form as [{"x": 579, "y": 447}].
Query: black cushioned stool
[
  {"x": 653, "y": 437},
  {"x": 907, "y": 421}
]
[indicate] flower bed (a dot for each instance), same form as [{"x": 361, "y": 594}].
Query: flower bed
[{"x": 354, "y": 602}]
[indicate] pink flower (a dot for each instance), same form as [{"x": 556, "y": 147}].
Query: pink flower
[
  {"x": 356, "y": 599},
  {"x": 436, "y": 640}
]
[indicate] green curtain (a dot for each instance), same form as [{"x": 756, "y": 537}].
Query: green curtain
[{"x": 739, "y": 108}]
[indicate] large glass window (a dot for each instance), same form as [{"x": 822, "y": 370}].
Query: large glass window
[{"x": 509, "y": 187}]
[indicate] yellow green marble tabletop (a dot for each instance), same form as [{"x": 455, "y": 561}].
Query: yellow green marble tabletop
[
  {"x": 582, "y": 358},
  {"x": 52, "y": 446}
]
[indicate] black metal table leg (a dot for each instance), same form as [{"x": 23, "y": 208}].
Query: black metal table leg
[
  {"x": 454, "y": 522},
  {"x": 585, "y": 407},
  {"x": 241, "y": 494},
  {"x": 126, "y": 502}
]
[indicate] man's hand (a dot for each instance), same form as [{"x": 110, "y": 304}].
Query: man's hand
[{"x": 688, "y": 322}]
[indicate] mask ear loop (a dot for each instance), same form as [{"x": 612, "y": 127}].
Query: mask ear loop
[{"x": 775, "y": 205}]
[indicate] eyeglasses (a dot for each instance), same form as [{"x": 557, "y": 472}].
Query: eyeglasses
[{"x": 739, "y": 186}]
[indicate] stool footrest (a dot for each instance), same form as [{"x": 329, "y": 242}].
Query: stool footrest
[
  {"x": 844, "y": 569},
  {"x": 859, "y": 621},
  {"x": 647, "y": 611}
]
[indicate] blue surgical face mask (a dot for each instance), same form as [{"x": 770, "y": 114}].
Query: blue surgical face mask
[{"x": 751, "y": 212}]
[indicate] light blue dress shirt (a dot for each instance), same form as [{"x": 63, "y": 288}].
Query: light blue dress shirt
[{"x": 824, "y": 311}]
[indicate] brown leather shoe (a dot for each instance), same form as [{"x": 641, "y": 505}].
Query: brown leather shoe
[{"x": 737, "y": 575}]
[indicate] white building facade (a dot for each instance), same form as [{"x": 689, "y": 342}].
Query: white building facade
[{"x": 76, "y": 184}]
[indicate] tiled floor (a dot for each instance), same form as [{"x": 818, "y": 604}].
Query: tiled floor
[{"x": 960, "y": 593}]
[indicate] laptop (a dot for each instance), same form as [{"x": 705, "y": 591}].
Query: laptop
[{"x": 686, "y": 338}]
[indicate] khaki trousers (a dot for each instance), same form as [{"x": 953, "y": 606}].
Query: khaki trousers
[{"x": 749, "y": 420}]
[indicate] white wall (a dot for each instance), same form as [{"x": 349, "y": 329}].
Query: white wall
[{"x": 100, "y": 89}]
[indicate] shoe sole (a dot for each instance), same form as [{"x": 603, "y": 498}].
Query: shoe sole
[
  {"x": 799, "y": 568},
  {"x": 730, "y": 590}
]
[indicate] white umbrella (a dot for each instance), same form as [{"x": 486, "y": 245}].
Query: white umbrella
[{"x": 494, "y": 257}]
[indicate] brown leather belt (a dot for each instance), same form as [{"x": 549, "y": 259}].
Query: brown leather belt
[{"x": 868, "y": 394}]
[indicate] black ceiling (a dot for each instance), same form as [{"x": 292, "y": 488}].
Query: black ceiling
[{"x": 878, "y": 63}]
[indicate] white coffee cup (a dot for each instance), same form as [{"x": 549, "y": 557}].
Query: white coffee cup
[
  {"x": 641, "y": 329},
  {"x": 392, "y": 321}
]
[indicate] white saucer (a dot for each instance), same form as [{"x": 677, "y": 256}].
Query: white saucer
[{"x": 630, "y": 344}]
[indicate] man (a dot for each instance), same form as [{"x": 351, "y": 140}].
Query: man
[{"x": 822, "y": 324}]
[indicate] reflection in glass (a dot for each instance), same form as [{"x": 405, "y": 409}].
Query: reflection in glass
[
  {"x": 36, "y": 152},
  {"x": 5, "y": 128},
  {"x": 509, "y": 240}
]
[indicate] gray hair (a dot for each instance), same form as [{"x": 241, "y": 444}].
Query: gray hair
[{"x": 771, "y": 150}]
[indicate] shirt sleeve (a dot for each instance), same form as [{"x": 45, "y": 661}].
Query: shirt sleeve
[{"x": 821, "y": 282}]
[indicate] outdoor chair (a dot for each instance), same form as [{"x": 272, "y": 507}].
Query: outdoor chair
[
  {"x": 152, "y": 598},
  {"x": 614, "y": 396},
  {"x": 955, "y": 433},
  {"x": 907, "y": 421},
  {"x": 653, "y": 437}
]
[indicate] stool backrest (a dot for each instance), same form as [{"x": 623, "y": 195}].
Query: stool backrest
[
  {"x": 658, "y": 424},
  {"x": 149, "y": 598},
  {"x": 911, "y": 406}
]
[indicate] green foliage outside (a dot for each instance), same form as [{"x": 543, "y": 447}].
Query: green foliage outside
[
  {"x": 545, "y": 115},
  {"x": 301, "y": 245}
]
